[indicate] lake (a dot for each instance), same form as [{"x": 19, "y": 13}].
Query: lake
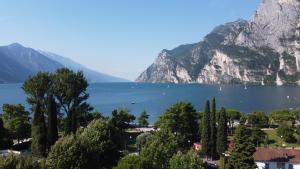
[{"x": 155, "y": 98}]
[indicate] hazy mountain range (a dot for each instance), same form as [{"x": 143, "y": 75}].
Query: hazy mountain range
[
  {"x": 264, "y": 50},
  {"x": 19, "y": 62}
]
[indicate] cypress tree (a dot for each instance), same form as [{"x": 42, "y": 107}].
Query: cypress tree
[
  {"x": 5, "y": 139},
  {"x": 213, "y": 130},
  {"x": 222, "y": 133},
  {"x": 52, "y": 121},
  {"x": 39, "y": 136},
  {"x": 205, "y": 135},
  {"x": 243, "y": 150}
]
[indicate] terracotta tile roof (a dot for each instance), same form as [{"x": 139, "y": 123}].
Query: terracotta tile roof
[{"x": 277, "y": 154}]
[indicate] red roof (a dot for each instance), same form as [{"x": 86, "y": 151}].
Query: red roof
[{"x": 277, "y": 154}]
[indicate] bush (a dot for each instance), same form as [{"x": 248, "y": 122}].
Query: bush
[
  {"x": 20, "y": 162},
  {"x": 91, "y": 148},
  {"x": 287, "y": 133},
  {"x": 190, "y": 160},
  {"x": 258, "y": 119},
  {"x": 142, "y": 139},
  {"x": 129, "y": 162}
]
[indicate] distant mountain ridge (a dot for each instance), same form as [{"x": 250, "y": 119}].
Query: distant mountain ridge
[
  {"x": 19, "y": 62},
  {"x": 264, "y": 50},
  {"x": 91, "y": 75}
]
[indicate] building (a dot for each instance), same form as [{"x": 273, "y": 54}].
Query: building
[
  {"x": 8, "y": 152},
  {"x": 197, "y": 146},
  {"x": 277, "y": 158}
]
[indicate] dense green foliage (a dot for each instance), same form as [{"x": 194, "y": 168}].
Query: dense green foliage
[
  {"x": 16, "y": 121},
  {"x": 52, "y": 121},
  {"x": 20, "y": 162},
  {"x": 189, "y": 160},
  {"x": 121, "y": 119},
  {"x": 142, "y": 139},
  {"x": 70, "y": 91},
  {"x": 286, "y": 132},
  {"x": 5, "y": 139},
  {"x": 232, "y": 116},
  {"x": 39, "y": 136},
  {"x": 213, "y": 130},
  {"x": 258, "y": 119},
  {"x": 129, "y": 162},
  {"x": 222, "y": 133},
  {"x": 281, "y": 116},
  {"x": 243, "y": 150},
  {"x": 206, "y": 131},
  {"x": 37, "y": 88},
  {"x": 92, "y": 148},
  {"x": 143, "y": 119},
  {"x": 159, "y": 150},
  {"x": 257, "y": 136},
  {"x": 180, "y": 119}
]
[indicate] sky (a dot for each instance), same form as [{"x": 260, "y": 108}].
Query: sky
[{"x": 117, "y": 37}]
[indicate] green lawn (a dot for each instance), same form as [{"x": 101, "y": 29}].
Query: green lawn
[{"x": 276, "y": 141}]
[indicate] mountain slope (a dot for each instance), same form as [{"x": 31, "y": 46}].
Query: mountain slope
[
  {"x": 264, "y": 50},
  {"x": 19, "y": 62},
  {"x": 91, "y": 75}
]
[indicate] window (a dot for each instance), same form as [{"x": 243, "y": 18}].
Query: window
[
  {"x": 280, "y": 165},
  {"x": 267, "y": 166},
  {"x": 291, "y": 166}
]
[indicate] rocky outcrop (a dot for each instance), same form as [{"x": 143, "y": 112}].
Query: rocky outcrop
[{"x": 264, "y": 50}]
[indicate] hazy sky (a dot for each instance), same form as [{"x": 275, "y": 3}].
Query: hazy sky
[{"x": 118, "y": 37}]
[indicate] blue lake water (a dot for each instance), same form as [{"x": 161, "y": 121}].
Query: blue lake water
[{"x": 155, "y": 98}]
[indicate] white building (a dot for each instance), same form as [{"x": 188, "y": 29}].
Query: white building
[{"x": 277, "y": 158}]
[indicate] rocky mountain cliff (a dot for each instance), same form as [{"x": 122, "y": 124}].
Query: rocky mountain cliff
[{"x": 264, "y": 50}]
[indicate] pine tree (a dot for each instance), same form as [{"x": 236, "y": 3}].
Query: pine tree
[
  {"x": 222, "y": 133},
  {"x": 39, "y": 137},
  {"x": 213, "y": 130},
  {"x": 52, "y": 121},
  {"x": 243, "y": 150},
  {"x": 205, "y": 135}
]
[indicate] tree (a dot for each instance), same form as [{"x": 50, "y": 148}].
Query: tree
[
  {"x": 190, "y": 160},
  {"x": 205, "y": 137},
  {"x": 142, "y": 139},
  {"x": 121, "y": 119},
  {"x": 243, "y": 150},
  {"x": 16, "y": 121},
  {"x": 39, "y": 136},
  {"x": 52, "y": 121},
  {"x": 37, "y": 89},
  {"x": 213, "y": 130},
  {"x": 143, "y": 119},
  {"x": 70, "y": 91},
  {"x": 20, "y": 162},
  {"x": 222, "y": 133},
  {"x": 257, "y": 136},
  {"x": 258, "y": 119},
  {"x": 5, "y": 139},
  {"x": 286, "y": 132},
  {"x": 129, "y": 162},
  {"x": 159, "y": 150},
  {"x": 181, "y": 119},
  {"x": 281, "y": 116},
  {"x": 232, "y": 116},
  {"x": 91, "y": 148}
]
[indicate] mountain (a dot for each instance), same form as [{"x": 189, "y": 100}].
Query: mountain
[
  {"x": 19, "y": 62},
  {"x": 264, "y": 50},
  {"x": 91, "y": 75}
]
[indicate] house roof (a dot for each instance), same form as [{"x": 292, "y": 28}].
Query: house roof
[{"x": 277, "y": 155}]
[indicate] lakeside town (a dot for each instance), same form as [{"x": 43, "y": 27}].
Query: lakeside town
[{"x": 61, "y": 130}]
